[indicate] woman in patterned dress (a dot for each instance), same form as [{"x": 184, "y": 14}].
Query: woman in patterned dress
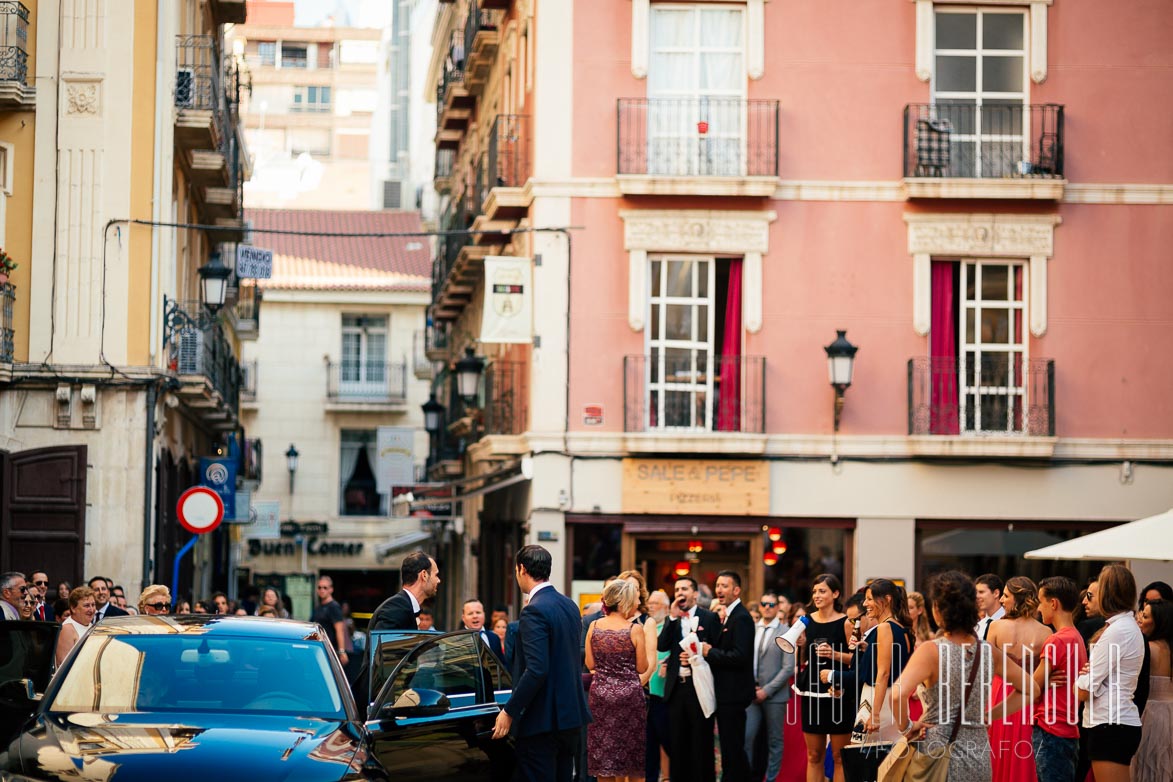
[
  {"x": 615, "y": 654},
  {"x": 946, "y": 663}
]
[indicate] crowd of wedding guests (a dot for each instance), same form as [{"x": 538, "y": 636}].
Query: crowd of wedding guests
[{"x": 1044, "y": 680}]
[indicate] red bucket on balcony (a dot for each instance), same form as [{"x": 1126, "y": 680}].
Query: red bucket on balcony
[{"x": 702, "y": 127}]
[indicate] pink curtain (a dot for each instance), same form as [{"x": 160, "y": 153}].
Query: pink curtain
[
  {"x": 944, "y": 416},
  {"x": 729, "y": 368}
]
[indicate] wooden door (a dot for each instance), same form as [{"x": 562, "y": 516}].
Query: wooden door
[{"x": 43, "y": 511}]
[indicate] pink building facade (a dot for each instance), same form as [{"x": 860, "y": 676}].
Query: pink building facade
[{"x": 977, "y": 194}]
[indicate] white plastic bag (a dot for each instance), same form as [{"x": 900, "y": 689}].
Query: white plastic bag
[{"x": 702, "y": 675}]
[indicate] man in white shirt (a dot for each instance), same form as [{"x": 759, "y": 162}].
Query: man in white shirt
[
  {"x": 473, "y": 617},
  {"x": 989, "y": 603}
]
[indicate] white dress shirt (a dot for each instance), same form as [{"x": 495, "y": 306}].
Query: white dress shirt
[
  {"x": 983, "y": 625},
  {"x": 759, "y": 631},
  {"x": 415, "y": 604},
  {"x": 539, "y": 586},
  {"x": 1115, "y": 661}
]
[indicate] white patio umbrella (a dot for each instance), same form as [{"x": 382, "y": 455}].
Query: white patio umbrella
[{"x": 1145, "y": 539}]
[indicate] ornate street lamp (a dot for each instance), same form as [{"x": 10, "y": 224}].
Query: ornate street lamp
[
  {"x": 468, "y": 375},
  {"x": 840, "y": 365},
  {"x": 433, "y": 415},
  {"x": 291, "y": 462},
  {"x": 214, "y": 282}
]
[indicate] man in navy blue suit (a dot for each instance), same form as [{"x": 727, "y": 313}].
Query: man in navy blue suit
[
  {"x": 547, "y": 709},
  {"x": 473, "y": 617}
]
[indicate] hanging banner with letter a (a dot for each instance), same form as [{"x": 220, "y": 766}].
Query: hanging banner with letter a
[{"x": 509, "y": 302}]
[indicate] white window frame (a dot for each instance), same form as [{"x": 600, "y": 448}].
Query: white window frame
[
  {"x": 7, "y": 164},
  {"x": 977, "y": 390},
  {"x": 688, "y": 133},
  {"x": 657, "y": 345},
  {"x": 925, "y": 24},
  {"x": 300, "y": 101},
  {"x": 364, "y": 385},
  {"x": 978, "y": 138}
]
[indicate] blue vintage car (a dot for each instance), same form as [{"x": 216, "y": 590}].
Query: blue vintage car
[{"x": 214, "y": 698}]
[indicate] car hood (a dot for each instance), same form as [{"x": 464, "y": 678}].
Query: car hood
[{"x": 180, "y": 747}]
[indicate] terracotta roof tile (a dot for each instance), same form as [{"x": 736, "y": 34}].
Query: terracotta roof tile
[{"x": 400, "y": 256}]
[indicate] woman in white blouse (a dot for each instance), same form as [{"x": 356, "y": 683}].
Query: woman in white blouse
[{"x": 1108, "y": 681}]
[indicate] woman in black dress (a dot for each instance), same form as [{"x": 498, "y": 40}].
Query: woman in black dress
[{"x": 824, "y": 716}]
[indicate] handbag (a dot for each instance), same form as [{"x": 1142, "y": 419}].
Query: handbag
[{"x": 907, "y": 764}]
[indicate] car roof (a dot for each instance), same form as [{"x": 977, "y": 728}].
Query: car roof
[{"x": 210, "y": 625}]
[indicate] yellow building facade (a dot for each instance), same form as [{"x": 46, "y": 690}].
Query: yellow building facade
[{"x": 121, "y": 165}]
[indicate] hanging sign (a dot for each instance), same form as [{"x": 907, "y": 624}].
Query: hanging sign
[
  {"x": 508, "y": 306},
  {"x": 219, "y": 475},
  {"x": 395, "y": 465},
  {"x": 253, "y": 262},
  {"x": 200, "y": 510}
]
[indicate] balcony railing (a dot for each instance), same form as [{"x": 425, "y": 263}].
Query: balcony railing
[
  {"x": 690, "y": 393},
  {"x": 436, "y": 342},
  {"x": 7, "y": 333},
  {"x": 14, "y": 34},
  {"x": 248, "y": 381},
  {"x": 199, "y": 74},
  {"x": 509, "y": 158},
  {"x": 506, "y": 397},
  {"x": 370, "y": 382},
  {"x": 445, "y": 160},
  {"x": 992, "y": 141},
  {"x": 478, "y": 19},
  {"x": 999, "y": 396},
  {"x": 455, "y": 218},
  {"x": 706, "y": 137},
  {"x": 199, "y": 347},
  {"x": 452, "y": 76}
]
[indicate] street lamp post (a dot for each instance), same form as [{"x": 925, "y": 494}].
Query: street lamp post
[
  {"x": 291, "y": 462},
  {"x": 214, "y": 283},
  {"x": 840, "y": 365}
]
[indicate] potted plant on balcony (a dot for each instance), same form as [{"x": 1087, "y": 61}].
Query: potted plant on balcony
[{"x": 7, "y": 266}]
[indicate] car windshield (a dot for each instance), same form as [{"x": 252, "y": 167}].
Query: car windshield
[{"x": 115, "y": 674}]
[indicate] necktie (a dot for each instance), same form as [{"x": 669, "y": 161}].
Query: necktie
[{"x": 41, "y": 612}]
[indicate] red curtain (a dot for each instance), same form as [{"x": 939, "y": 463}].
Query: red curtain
[
  {"x": 944, "y": 415},
  {"x": 729, "y": 366}
]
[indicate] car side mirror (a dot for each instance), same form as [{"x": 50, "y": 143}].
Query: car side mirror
[
  {"x": 418, "y": 703},
  {"x": 19, "y": 695}
]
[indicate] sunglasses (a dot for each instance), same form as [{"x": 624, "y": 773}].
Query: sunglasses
[
  {"x": 766, "y": 604},
  {"x": 41, "y": 583},
  {"x": 159, "y": 606}
]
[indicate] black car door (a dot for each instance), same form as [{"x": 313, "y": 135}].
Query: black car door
[
  {"x": 26, "y": 653},
  {"x": 433, "y": 719}
]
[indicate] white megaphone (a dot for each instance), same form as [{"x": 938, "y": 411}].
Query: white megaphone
[{"x": 788, "y": 642}]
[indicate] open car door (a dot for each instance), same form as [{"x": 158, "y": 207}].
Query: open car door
[
  {"x": 433, "y": 716},
  {"x": 26, "y": 664}
]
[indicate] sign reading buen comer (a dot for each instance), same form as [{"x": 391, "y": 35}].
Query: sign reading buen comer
[{"x": 696, "y": 487}]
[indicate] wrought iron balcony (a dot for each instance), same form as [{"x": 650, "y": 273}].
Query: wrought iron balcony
[
  {"x": 481, "y": 37},
  {"x": 7, "y": 333},
  {"x": 683, "y": 392},
  {"x": 370, "y": 382},
  {"x": 436, "y": 342},
  {"x": 698, "y": 137},
  {"x": 506, "y": 409},
  {"x": 509, "y": 151},
  {"x": 999, "y": 396},
  {"x": 1002, "y": 140},
  {"x": 203, "y": 358},
  {"x": 442, "y": 174},
  {"x": 14, "y": 35}
]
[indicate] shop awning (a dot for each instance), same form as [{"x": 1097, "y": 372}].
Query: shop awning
[
  {"x": 1145, "y": 539},
  {"x": 986, "y": 542},
  {"x": 442, "y": 494},
  {"x": 402, "y": 541}
]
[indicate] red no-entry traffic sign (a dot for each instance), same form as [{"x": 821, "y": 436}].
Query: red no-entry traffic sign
[{"x": 200, "y": 510}]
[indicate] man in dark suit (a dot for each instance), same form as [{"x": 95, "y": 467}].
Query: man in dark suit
[
  {"x": 731, "y": 658},
  {"x": 691, "y": 732},
  {"x": 472, "y": 615},
  {"x": 39, "y": 589},
  {"x": 105, "y": 608},
  {"x": 547, "y": 708},
  {"x": 420, "y": 577}
]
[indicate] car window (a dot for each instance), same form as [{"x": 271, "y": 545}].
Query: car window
[
  {"x": 169, "y": 673},
  {"x": 449, "y": 664},
  {"x": 390, "y": 647},
  {"x": 498, "y": 678},
  {"x": 26, "y": 651}
]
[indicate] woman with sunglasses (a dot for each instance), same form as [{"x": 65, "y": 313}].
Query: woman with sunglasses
[{"x": 155, "y": 600}]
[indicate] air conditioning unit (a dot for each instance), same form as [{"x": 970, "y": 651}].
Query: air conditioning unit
[
  {"x": 185, "y": 88},
  {"x": 191, "y": 352}
]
